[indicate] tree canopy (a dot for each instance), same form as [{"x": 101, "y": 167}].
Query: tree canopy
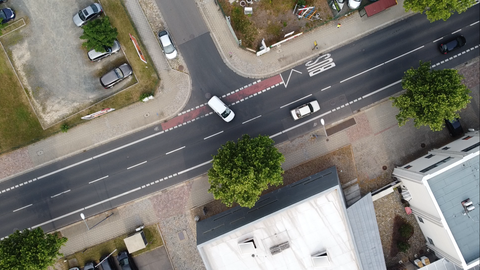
[
  {"x": 431, "y": 96},
  {"x": 99, "y": 33},
  {"x": 30, "y": 250},
  {"x": 438, "y": 10},
  {"x": 242, "y": 170}
]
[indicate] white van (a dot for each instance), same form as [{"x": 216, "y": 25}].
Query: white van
[{"x": 221, "y": 109}]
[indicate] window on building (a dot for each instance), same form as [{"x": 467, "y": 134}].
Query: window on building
[
  {"x": 407, "y": 167},
  {"x": 430, "y": 241},
  {"x": 420, "y": 219},
  {"x": 467, "y": 138},
  {"x": 435, "y": 165},
  {"x": 445, "y": 148},
  {"x": 429, "y": 156}
]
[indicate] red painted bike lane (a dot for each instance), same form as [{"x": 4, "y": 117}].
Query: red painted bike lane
[{"x": 229, "y": 98}]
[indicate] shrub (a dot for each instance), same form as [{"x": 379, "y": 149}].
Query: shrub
[
  {"x": 64, "y": 127},
  {"x": 403, "y": 246},
  {"x": 145, "y": 95},
  {"x": 406, "y": 231}
]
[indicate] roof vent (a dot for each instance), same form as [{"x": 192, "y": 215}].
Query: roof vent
[
  {"x": 321, "y": 259},
  {"x": 279, "y": 248},
  {"x": 467, "y": 206},
  {"x": 247, "y": 246}
]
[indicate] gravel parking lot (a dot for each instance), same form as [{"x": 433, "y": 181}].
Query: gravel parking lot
[{"x": 51, "y": 62}]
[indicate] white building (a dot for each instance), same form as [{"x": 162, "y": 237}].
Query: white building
[
  {"x": 304, "y": 225},
  {"x": 442, "y": 188}
]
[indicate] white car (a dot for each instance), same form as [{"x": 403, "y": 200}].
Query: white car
[
  {"x": 305, "y": 110},
  {"x": 167, "y": 44},
  {"x": 221, "y": 109}
]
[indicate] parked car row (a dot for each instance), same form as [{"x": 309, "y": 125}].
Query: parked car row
[
  {"x": 124, "y": 260},
  {"x": 115, "y": 75}
]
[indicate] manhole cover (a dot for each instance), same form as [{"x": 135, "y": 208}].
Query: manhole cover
[
  {"x": 147, "y": 114},
  {"x": 180, "y": 68},
  {"x": 422, "y": 145},
  {"x": 384, "y": 168},
  {"x": 40, "y": 152}
]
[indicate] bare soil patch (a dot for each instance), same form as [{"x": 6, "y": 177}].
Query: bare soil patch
[{"x": 271, "y": 20}]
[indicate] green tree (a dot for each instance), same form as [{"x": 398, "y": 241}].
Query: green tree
[
  {"x": 30, "y": 250},
  {"x": 438, "y": 10},
  {"x": 242, "y": 170},
  {"x": 99, "y": 33},
  {"x": 431, "y": 96}
]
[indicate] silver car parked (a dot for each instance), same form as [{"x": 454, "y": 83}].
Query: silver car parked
[
  {"x": 96, "y": 56},
  {"x": 87, "y": 14},
  {"x": 116, "y": 75}
]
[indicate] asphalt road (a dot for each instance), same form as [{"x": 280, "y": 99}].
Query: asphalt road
[{"x": 97, "y": 180}]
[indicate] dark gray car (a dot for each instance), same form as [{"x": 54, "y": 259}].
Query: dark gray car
[
  {"x": 116, "y": 75},
  {"x": 125, "y": 261},
  {"x": 89, "y": 266}
]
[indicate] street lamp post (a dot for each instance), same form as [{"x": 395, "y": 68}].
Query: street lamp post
[
  {"x": 324, "y": 129},
  {"x": 83, "y": 217}
]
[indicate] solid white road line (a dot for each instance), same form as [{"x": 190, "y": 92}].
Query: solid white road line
[
  {"x": 101, "y": 178},
  {"x": 22, "y": 208},
  {"x": 64, "y": 168},
  {"x": 213, "y": 135},
  {"x": 251, "y": 119},
  {"x": 175, "y": 150},
  {"x": 382, "y": 64},
  {"x": 381, "y": 89},
  {"x": 113, "y": 198},
  {"x": 295, "y": 101},
  {"x": 136, "y": 165},
  {"x": 128, "y": 144},
  {"x": 194, "y": 167},
  {"x": 66, "y": 191}
]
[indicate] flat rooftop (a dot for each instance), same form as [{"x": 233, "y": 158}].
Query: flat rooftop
[
  {"x": 284, "y": 229},
  {"x": 450, "y": 189}
]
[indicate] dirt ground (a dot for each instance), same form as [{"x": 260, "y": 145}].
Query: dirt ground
[{"x": 273, "y": 19}]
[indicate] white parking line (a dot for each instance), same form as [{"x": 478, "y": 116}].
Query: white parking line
[
  {"x": 295, "y": 101},
  {"x": 98, "y": 179},
  {"x": 22, "y": 208},
  {"x": 175, "y": 150},
  {"x": 213, "y": 135},
  {"x": 251, "y": 119},
  {"x": 136, "y": 165}
]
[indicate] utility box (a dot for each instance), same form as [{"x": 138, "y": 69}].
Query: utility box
[
  {"x": 136, "y": 242},
  {"x": 248, "y": 10}
]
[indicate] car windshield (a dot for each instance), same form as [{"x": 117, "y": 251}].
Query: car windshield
[
  {"x": 94, "y": 7},
  {"x": 123, "y": 261},
  {"x": 80, "y": 14},
  {"x": 226, "y": 113},
  {"x": 119, "y": 73},
  {"x": 169, "y": 48},
  {"x": 310, "y": 107}
]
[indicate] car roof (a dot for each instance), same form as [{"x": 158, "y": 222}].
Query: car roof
[{"x": 165, "y": 39}]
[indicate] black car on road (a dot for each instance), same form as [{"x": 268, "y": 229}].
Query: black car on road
[{"x": 452, "y": 44}]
